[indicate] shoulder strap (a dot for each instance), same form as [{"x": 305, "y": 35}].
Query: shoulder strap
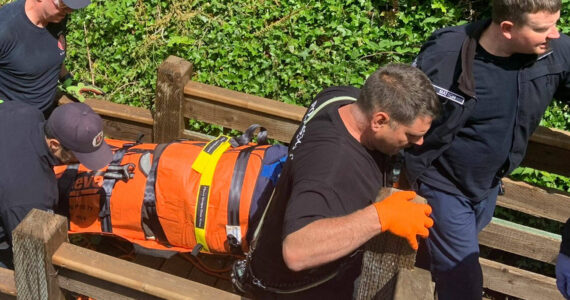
[{"x": 311, "y": 114}]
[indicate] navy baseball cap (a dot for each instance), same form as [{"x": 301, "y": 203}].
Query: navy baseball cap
[
  {"x": 78, "y": 128},
  {"x": 76, "y": 4}
]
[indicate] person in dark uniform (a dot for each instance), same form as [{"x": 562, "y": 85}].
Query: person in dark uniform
[
  {"x": 323, "y": 211},
  {"x": 495, "y": 78},
  {"x": 32, "y": 51},
  {"x": 30, "y": 148},
  {"x": 563, "y": 263}
]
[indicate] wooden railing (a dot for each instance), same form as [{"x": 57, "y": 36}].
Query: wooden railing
[
  {"x": 46, "y": 265},
  {"x": 180, "y": 100}
]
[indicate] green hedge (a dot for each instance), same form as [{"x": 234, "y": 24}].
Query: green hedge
[{"x": 285, "y": 50}]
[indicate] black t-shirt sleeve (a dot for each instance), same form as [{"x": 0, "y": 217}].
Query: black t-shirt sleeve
[{"x": 309, "y": 202}]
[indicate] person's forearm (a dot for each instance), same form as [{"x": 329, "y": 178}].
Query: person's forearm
[{"x": 329, "y": 239}]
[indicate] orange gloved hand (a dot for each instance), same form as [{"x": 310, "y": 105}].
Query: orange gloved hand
[{"x": 404, "y": 218}]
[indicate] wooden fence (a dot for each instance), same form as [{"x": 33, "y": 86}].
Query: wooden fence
[{"x": 179, "y": 100}]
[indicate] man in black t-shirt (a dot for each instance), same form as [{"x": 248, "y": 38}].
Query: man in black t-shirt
[
  {"x": 495, "y": 79},
  {"x": 31, "y": 147},
  {"x": 32, "y": 50},
  {"x": 323, "y": 211}
]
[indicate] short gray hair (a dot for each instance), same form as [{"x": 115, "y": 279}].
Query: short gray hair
[{"x": 402, "y": 91}]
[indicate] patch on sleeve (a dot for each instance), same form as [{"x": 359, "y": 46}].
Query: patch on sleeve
[{"x": 449, "y": 95}]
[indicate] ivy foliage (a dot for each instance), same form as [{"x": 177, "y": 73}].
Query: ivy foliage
[{"x": 283, "y": 49}]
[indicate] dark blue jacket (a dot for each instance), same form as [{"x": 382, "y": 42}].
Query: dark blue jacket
[
  {"x": 27, "y": 179},
  {"x": 447, "y": 59}
]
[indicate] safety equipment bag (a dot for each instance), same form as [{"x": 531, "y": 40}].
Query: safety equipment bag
[{"x": 179, "y": 196}]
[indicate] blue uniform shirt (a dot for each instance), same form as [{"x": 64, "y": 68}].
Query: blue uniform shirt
[
  {"x": 481, "y": 148},
  {"x": 27, "y": 179}
]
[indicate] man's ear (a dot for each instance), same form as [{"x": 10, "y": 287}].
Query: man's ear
[
  {"x": 379, "y": 120},
  {"x": 507, "y": 29},
  {"x": 53, "y": 144}
]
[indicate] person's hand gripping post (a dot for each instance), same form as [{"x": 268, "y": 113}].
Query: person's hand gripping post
[{"x": 402, "y": 217}]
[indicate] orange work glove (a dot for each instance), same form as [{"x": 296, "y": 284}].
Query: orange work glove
[{"x": 404, "y": 218}]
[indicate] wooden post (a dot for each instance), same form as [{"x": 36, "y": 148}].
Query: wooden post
[
  {"x": 173, "y": 74},
  {"x": 414, "y": 284},
  {"x": 34, "y": 241},
  {"x": 384, "y": 256},
  {"x": 7, "y": 284}
]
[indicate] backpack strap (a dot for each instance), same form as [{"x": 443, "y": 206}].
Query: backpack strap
[
  {"x": 205, "y": 164},
  {"x": 149, "y": 217},
  {"x": 313, "y": 113}
]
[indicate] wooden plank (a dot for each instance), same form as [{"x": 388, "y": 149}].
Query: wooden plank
[
  {"x": 116, "y": 110},
  {"x": 133, "y": 276},
  {"x": 518, "y": 283},
  {"x": 201, "y": 277},
  {"x": 7, "y": 284},
  {"x": 152, "y": 262},
  {"x": 535, "y": 201},
  {"x": 521, "y": 240},
  {"x": 551, "y": 136},
  {"x": 244, "y": 101},
  {"x": 97, "y": 288},
  {"x": 547, "y": 158},
  {"x": 238, "y": 118},
  {"x": 173, "y": 74},
  {"x": 414, "y": 284},
  {"x": 35, "y": 239},
  {"x": 177, "y": 265},
  {"x": 125, "y": 130},
  {"x": 196, "y": 136},
  {"x": 546, "y": 148},
  {"x": 225, "y": 285},
  {"x": 7, "y": 297},
  {"x": 212, "y": 261}
]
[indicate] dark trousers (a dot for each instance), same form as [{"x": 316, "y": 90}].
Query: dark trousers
[
  {"x": 6, "y": 257},
  {"x": 453, "y": 244}
]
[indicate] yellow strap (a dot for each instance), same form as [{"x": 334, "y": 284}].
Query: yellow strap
[{"x": 205, "y": 164}]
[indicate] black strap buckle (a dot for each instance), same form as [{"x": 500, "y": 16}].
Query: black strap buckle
[{"x": 121, "y": 172}]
